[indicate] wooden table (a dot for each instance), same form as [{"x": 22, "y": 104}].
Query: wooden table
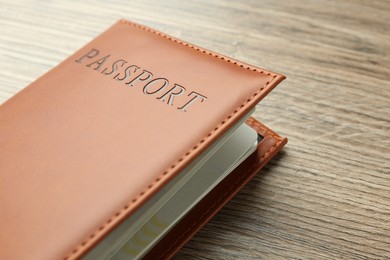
[{"x": 327, "y": 195}]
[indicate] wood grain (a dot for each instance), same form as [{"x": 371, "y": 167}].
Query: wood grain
[{"x": 327, "y": 195}]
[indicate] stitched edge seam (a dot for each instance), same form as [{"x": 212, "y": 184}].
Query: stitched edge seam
[
  {"x": 219, "y": 56},
  {"x": 194, "y": 148},
  {"x": 237, "y": 183}
]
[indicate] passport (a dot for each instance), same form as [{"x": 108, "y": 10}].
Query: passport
[{"x": 128, "y": 147}]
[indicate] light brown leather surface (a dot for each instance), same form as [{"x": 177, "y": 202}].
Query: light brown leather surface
[
  {"x": 81, "y": 150},
  {"x": 220, "y": 195}
]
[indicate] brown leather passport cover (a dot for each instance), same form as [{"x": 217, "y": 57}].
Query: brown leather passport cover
[{"x": 86, "y": 144}]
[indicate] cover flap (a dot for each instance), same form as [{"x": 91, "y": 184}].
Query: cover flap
[
  {"x": 86, "y": 144},
  {"x": 220, "y": 195}
]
